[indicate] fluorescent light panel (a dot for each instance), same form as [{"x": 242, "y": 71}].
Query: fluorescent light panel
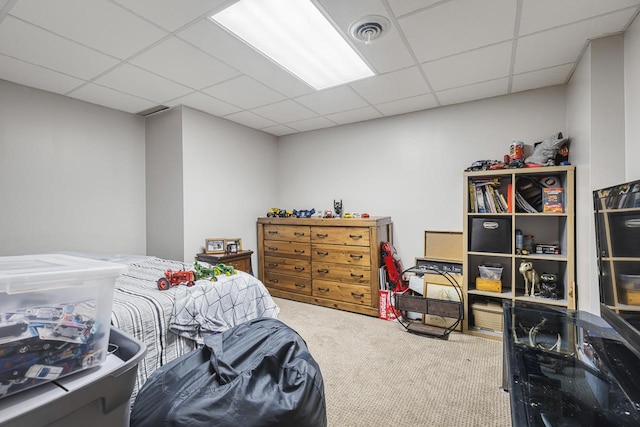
[{"x": 296, "y": 35}]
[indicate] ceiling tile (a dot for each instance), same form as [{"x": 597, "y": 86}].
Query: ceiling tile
[
  {"x": 217, "y": 42},
  {"x": 205, "y": 103},
  {"x": 284, "y": 112},
  {"x": 541, "y": 78},
  {"x": 92, "y": 24},
  {"x": 392, "y": 86},
  {"x": 540, "y": 15},
  {"x": 37, "y": 46},
  {"x": 457, "y": 26},
  {"x": 183, "y": 63},
  {"x": 353, "y": 116},
  {"x": 279, "y": 130},
  {"x": 111, "y": 98},
  {"x": 473, "y": 92},
  {"x": 564, "y": 44},
  {"x": 311, "y": 124},
  {"x": 478, "y": 65},
  {"x": 332, "y": 100},
  {"x": 387, "y": 53},
  {"x": 171, "y": 14},
  {"x": 407, "y": 105},
  {"x": 244, "y": 92},
  {"x": 402, "y": 7},
  {"x": 136, "y": 81},
  {"x": 27, "y": 74},
  {"x": 250, "y": 119}
]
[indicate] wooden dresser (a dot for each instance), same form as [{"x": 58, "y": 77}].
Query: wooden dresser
[{"x": 332, "y": 262}]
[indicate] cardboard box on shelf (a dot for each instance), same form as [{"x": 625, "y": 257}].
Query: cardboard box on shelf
[
  {"x": 488, "y": 285},
  {"x": 487, "y": 315}
]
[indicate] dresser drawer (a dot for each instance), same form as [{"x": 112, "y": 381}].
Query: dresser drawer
[
  {"x": 340, "y": 272},
  {"x": 290, "y": 266},
  {"x": 351, "y": 255},
  {"x": 288, "y": 283},
  {"x": 356, "y": 236},
  {"x": 290, "y": 233},
  {"x": 342, "y": 292},
  {"x": 287, "y": 249}
]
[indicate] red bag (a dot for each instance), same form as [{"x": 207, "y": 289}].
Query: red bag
[
  {"x": 392, "y": 261},
  {"x": 386, "y": 306}
]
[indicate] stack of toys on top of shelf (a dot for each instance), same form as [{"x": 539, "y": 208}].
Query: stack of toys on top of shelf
[
  {"x": 42, "y": 343},
  {"x": 550, "y": 152},
  {"x": 311, "y": 213},
  {"x": 188, "y": 277}
]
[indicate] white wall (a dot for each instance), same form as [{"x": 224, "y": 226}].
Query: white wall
[
  {"x": 409, "y": 167},
  {"x": 72, "y": 175},
  {"x": 164, "y": 184},
  {"x": 595, "y": 118},
  {"x": 632, "y": 99},
  {"x": 229, "y": 180}
]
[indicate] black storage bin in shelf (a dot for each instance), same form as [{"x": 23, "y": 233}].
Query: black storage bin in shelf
[
  {"x": 625, "y": 234},
  {"x": 491, "y": 235}
]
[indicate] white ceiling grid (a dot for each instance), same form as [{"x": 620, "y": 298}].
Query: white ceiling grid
[{"x": 133, "y": 55}]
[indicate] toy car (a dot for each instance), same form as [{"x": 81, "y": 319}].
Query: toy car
[
  {"x": 10, "y": 328},
  {"x": 175, "y": 278}
]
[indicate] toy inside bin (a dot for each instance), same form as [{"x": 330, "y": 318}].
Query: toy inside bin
[
  {"x": 490, "y": 278},
  {"x": 491, "y": 272},
  {"x": 55, "y": 313}
]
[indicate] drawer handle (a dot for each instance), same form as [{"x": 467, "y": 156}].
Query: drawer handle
[
  {"x": 271, "y": 248},
  {"x": 297, "y": 267},
  {"x": 321, "y": 234},
  {"x": 355, "y": 236},
  {"x": 272, "y": 232},
  {"x": 356, "y": 256},
  {"x": 273, "y": 264},
  {"x": 298, "y": 233},
  {"x": 323, "y": 271},
  {"x": 322, "y": 253},
  {"x": 357, "y": 295},
  {"x": 359, "y": 276},
  {"x": 323, "y": 289},
  {"x": 299, "y": 251},
  {"x": 273, "y": 280},
  {"x": 300, "y": 285}
]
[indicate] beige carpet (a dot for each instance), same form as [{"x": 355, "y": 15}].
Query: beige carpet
[{"x": 376, "y": 374}]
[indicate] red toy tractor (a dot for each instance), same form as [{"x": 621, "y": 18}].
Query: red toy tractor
[{"x": 175, "y": 278}]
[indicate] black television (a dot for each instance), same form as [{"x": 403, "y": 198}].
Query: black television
[{"x": 617, "y": 225}]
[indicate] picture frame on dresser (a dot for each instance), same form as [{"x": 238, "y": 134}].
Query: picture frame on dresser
[
  {"x": 233, "y": 245},
  {"x": 214, "y": 246}
]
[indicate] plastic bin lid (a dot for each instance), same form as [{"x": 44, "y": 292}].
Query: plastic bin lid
[{"x": 25, "y": 273}]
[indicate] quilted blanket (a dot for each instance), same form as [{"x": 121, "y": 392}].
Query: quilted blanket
[{"x": 210, "y": 307}]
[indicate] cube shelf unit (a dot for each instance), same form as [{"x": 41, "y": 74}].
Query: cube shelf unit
[
  {"x": 546, "y": 227},
  {"x": 617, "y": 219}
]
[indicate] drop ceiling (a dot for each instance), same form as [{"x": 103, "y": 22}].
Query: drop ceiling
[{"x": 135, "y": 55}]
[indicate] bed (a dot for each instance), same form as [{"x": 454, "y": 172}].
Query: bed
[{"x": 173, "y": 322}]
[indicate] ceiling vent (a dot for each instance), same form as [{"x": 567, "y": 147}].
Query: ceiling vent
[
  {"x": 152, "y": 110},
  {"x": 369, "y": 28}
]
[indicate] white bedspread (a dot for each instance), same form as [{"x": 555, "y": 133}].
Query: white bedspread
[
  {"x": 209, "y": 307},
  {"x": 152, "y": 315}
]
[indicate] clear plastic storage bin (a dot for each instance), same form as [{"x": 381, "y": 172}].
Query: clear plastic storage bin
[{"x": 55, "y": 314}]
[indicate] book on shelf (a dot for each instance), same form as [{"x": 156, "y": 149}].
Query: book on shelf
[
  {"x": 552, "y": 200},
  {"x": 485, "y": 196}
]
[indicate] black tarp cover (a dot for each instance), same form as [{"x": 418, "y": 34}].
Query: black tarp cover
[{"x": 259, "y": 373}]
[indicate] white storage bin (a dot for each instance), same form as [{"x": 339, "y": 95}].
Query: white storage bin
[{"x": 55, "y": 315}]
